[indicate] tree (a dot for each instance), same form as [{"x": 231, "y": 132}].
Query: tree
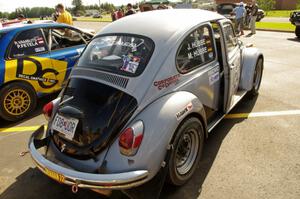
[
  {"x": 266, "y": 4},
  {"x": 77, "y": 6}
]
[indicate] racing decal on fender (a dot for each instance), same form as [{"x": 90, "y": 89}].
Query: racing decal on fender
[
  {"x": 165, "y": 83},
  {"x": 213, "y": 75},
  {"x": 38, "y": 75},
  {"x": 186, "y": 109},
  {"x": 38, "y": 71}
]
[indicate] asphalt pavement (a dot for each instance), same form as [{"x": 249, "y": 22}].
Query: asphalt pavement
[{"x": 251, "y": 156}]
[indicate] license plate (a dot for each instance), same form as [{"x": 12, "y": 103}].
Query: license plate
[
  {"x": 66, "y": 126},
  {"x": 56, "y": 176}
]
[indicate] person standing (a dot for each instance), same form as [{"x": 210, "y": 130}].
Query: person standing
[
  {"x": 130, "y": 10},
  {"x": 63, "y": 15},
  {"x": 120, "y": 13},
  {"x": 240, "y": 13},
  {"x": 254, "y": 11}
]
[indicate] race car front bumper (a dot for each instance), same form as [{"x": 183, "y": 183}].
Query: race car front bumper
[{"x": 68, "y": 176}]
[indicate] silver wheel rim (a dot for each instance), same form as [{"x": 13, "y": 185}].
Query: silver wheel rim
[
  {"x": 186, "y": 152},
  {"x": 257, "y": 75}
]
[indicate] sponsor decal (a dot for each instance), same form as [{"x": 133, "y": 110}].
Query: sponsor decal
[
  {"x": 39, "y": 49},
  {"x": 183, "y": 112},
  {"x": 130, "y": 63},
  {"x": 165, "y": 83},
  {"x": 213, "y": 75},
  {"x": 38, "y": 71}
]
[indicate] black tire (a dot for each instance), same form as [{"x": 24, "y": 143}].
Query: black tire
[
  {"x": 258, "y": 73},
  {"x": 190, "y": 129},
  {"x": 297, "y": 31},
  {"x": 17, "y": 100}
]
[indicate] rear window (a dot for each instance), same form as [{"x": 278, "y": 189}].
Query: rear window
[{"x": 120, "y": 54}]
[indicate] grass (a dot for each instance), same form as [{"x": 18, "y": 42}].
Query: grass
[
  {"x": 279, "y": 13},
  {"x": 105, "y": 18},
  {"x": 275, "y": 26}
]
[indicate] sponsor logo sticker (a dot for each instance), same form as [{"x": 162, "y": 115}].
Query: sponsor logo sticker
[
  {"x": 183, "y": 112},
  {"x": 165, "y": 83}
]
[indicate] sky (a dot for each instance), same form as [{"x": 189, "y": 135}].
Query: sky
[{"x": 11, "y": 5}]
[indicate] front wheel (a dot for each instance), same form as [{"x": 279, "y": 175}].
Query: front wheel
[
  {"x": 188, "y": 144},
  {"x": 16, "y": 101},
  {"x": 297, "y": 31},
  {"x": 257, "y": 77}
]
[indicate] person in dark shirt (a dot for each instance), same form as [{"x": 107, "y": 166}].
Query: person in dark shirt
[
  {"x": 130, "y": 10},
  {"x": 254, "y": 11}
]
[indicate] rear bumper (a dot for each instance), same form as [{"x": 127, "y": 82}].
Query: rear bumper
[{"x": 81, "y": 179}]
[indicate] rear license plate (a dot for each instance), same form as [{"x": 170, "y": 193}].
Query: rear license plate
[
  {"x": 56, "y": 176},
  {"x": 66, "y": 126}
]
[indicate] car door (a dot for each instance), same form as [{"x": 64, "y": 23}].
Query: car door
[
  {"x": 197, "y": 61},
  {"x": 66, "y": 45},
  {"x": 232, "y": 68},
  {"x": 28, "y": 59}
]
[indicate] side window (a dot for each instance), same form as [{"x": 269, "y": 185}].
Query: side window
[
  {"x": 196, "y": 50},
  {"x": 27, "y": 43},
  {"x": 230, "y": 39},
  {"x": 65, "y": 37}
]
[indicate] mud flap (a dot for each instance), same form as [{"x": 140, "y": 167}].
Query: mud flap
[{"x": 153, "y": 188}]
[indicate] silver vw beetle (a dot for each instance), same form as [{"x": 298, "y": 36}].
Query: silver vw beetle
[{"x": 142, "y": 99}]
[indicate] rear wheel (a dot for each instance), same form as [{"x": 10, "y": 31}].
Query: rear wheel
[
  {"x": 16, "y": 101},
  {"x": 257, "y": 77},
  {"x": 297, "y": 31},
  {"x": 188, "y": 144}
]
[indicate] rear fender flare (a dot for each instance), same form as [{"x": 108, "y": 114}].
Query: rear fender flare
[{"x": 161, "y": 120}]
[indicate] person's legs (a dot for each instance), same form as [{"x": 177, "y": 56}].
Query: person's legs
[
  {"x": 242, "y": 26},
  {"x": 253, "y": 21},
  {"x": 238, "y": 26}
]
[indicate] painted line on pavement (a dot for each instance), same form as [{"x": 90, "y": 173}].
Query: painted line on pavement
[
  {"x": 229, "y": 116},
  {"x": 262, "y": 114},
  {"x": 18, "y": 129}
]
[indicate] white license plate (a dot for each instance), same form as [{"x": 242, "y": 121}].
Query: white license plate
[{"x": 66, "y": 126}]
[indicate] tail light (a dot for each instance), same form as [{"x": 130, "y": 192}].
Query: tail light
[
  {"x": 47, "y": 110},
  {"x": 131, "y": 139}
]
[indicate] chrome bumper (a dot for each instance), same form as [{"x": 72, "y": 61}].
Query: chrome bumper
[{"x": 80, "y": 179}]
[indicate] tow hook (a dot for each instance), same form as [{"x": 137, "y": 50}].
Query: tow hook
[
  {"x": 75, "y": 187},
  {"x": 23, "y": 153}
]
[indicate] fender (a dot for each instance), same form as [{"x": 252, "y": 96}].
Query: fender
[
  {"x": 160, "y": 119},
  {"x": 250, "y": 58}
]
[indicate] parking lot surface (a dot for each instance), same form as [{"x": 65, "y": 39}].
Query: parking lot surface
[{"x": 254, "y": 153}]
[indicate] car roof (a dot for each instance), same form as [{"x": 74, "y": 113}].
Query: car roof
[
  {"x": 31, "y": 26},
  {"x": 161, "y": 24}
]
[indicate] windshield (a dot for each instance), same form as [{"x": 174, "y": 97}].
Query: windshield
[{"x": 120, "y": 54}]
